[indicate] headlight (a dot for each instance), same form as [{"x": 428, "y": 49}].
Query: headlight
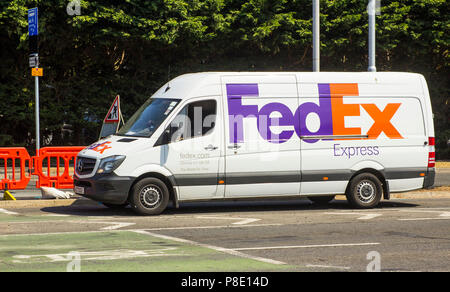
[{"x": 109, "y": 164}]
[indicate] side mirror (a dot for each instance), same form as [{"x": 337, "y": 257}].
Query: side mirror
[{"x": 164, "y": 138}]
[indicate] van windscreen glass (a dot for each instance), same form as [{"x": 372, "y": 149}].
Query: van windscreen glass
[{"x": 148, "y": 117}]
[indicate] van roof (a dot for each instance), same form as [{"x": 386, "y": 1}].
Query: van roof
[{"x": 200, "y": 84}]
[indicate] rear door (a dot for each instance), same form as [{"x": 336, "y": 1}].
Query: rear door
[{"x": 262, "y": 150}]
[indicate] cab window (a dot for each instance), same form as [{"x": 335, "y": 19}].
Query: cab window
[{"x": 196, "y": 119}]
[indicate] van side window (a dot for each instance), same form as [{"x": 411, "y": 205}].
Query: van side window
[{"x": 196, "y": 119}]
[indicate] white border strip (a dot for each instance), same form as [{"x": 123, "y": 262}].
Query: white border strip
[
  {"x": 308, "y": 246},
  {"x": 3, "y": 211},
  {"x": 216, "y": 248}
]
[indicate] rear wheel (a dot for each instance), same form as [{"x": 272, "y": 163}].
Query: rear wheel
[
  {"x": 322, "y": 200},
  {"x": 365, "y": 191},
  {"x": 149, "y": 196}
]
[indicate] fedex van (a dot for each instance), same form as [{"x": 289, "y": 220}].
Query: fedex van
[{"x": 227, "y": 135}]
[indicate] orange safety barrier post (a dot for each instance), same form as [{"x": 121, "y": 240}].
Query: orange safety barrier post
[
  {"x": 14, "y": 168},
  {"x": 54, "y": 168}
]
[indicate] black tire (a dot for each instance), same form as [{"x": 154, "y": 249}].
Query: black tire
[
  {"x": 149, "y": 196},
  {"x": 115, "y": 206},
  {"x": 322, "y": 200},
  {"x": 365, "y": 191}
]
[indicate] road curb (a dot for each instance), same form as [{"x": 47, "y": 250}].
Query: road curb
[
  {"x": 40, "y": 203},
  {"x": 437, "y": 193},
  {"x": 422, "y": 195}
]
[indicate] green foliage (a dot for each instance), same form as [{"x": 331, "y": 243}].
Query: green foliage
[{"x": 130, "y": 47}]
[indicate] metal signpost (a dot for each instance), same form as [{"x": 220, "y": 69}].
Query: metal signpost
[
  {"x": 34, "y": 63},
  {"x": 316, "y": 35},
  {"x": 372, "y": 10}
]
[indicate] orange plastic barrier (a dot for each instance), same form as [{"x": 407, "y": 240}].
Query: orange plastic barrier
[
  {"x": 14, "y": 171},
  {"x": 55, "y": 165}
]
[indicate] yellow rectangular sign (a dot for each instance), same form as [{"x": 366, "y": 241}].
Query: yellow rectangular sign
[{"x": 37, "y": 72}]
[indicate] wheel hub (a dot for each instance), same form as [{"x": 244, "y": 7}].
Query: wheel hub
[
  {"x": 366, "y": 191},
  {"x": 150, "y": 196}
]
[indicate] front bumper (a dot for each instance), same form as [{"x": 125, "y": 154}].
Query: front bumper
[{"x": 109, "y": 188}]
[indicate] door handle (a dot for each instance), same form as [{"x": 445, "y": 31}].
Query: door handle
[
  {"x": 235, "y": 146},
  {"x": 210, "y": 147}
]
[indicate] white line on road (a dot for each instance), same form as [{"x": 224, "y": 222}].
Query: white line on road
[
  {"x": 423, "y": 219},
  {"x": 116, "y": 225},
  {"x": 241, "y": 221},
  {"x": 307, "y": 246},
  {"x": 210, "y": 227},
  {"x": 328, "y": 267},
  {"x": 216, "y": 248},
  {"x": 3, "y": 211},
  {"x": 55, "y": 215},
  {"x": 442, "y": 213},
  {"x": 442, "y": 216},
  {"x": 367, "y": 216},
  {"x": 124, "y": 230}
]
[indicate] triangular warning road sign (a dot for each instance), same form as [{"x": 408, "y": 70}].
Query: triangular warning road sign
[{"x": 113, "y": 115}]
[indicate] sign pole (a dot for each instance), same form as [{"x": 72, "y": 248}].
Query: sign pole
[
  {"x": 371, "y": 9},
  {"x": 34, "y": 63},
  {"x": 316, "y": 35},
  {"x": 36, "y": 89}
]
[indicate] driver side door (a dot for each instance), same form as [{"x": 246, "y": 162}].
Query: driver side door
[{"x": 193, "y": 149}]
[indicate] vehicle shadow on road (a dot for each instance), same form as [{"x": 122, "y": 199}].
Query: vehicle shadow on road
[
  {"x": 98, "y": 210},
  {"x": 270, "y": 206}
]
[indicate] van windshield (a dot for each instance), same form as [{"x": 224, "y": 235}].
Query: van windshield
[{"x": 148, "y": 117}]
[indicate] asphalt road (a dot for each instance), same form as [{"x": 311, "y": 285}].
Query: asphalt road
[
  {"x": 400, "y": 235},
  {"x": 442, "y": 177}
]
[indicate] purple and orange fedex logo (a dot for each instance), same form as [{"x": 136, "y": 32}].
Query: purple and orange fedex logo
[{"x": 331, "y": 111}]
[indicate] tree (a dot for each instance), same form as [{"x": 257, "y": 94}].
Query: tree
[{"x": 132, "y": 47}]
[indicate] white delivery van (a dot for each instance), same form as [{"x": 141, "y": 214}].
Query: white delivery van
[{"x": 226, "y": 135}]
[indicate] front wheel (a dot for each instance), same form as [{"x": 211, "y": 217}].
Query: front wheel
[
  {"x": 149, "y": 196},
  {"x": 365, "y": 191}
]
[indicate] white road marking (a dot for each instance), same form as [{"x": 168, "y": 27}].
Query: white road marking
[
  {"x": 442, "y": 216},
  {"x": 209, "y": 227},
  {"x": 427, "y": 208},
  {"x": 216, "y": 248},
  {"x": 116, "y": 225},
  {"x": 443, "y": 213},
  {"x": 367, "y": 216},
  {"x": 98, "y": 255},
  {"x": 329, "y": 267},
  {"x": 3, "y": 211},
  {"x": 423, "y": 219},
  {"x": 56, "y": 215},
  {"x": 241, "y": 221},
  {"x": 307, "y": 246},
  {"x": 133, "y": 230}
]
